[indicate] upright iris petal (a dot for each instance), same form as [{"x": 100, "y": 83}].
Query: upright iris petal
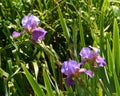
[
  {"x": 85, "y": 52},
  {"x": 30, "y": 22},
  {"x": 70, "y": 67},
  {"x": 38, "y": 34}
]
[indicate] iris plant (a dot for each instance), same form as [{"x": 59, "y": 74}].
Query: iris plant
[
  {"x": 91, "y": 54},
  {"x": 72, "y": 69},
  {"x": 30, "y": 24}
]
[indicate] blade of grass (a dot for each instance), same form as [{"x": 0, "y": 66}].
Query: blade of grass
[
  {"x": 3, "y": 73},
  {"x": 39, "y": 5},
  {"x": 117, "y": 86},
  {"x": 75, "y": 40},
  {"x": 81, "y": 30},
  {"x": 104, "y": 87},
  {"x": 38, "y": 91},
  {"x": 36, "y": 69},
  {"x": 101, "y": 34},
  {"x": 116, "y": 46},
  {"x": 116, "y": 56},
  {"x": 47, "y": 84},
  {"x": 20, "y": 91},
  {"x": 63, "y": 24},
  {"x": 7, "y": 93},
  {"x": 110, "y": 64},
  {"x": 105, "y": 5}
]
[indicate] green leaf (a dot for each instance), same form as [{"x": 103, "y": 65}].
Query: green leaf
[
  {"x": 116, "y": 56},
  {"x": 81, "y": 30},
  {"x": 111, "y": 65},
  {"x": 117, "y": 86},
  {"x": 101, "y": 34},
  {"x": 64, "y": 25},
  {"x": 47, "y": 84},
  {"x": 75, "y": 40},
  {"x": 38, "y": 91},
  {"x": 116, "y": 47},
  {"x": 36, "y": 69},
  {"x": 105, "y": 5},
  {"x": 3, "y": 73}
]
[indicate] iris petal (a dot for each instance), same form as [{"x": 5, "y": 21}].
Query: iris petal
[
  {"x": 100, "y": 61},
  {"x": 30, "y": 22},
  {"x": 88, "y": 72},
  {"x": 69, "y": 81},
  {"x": 15, "y": 34},
  {"x": 85, "y": 52},
  {"x": 38, "y": 34},
  {"x": 70, "y": 67}
]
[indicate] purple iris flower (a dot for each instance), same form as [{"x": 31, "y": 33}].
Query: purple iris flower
[
  {"x": 91, "y": 54},
  {"x": 30, "y": 22},
  {"x": 38, "y": 34},
  {"x": 72, "y": 69}
]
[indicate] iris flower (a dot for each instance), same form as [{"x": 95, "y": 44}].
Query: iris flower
[
  {"x": 72, "y": 69},
  {"x": 91, "y": 54},
  {"x": 30, "y": 24}
]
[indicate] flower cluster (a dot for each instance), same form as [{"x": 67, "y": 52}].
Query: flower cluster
[
  {"x": 73, "y": 69},
  {"x": 91, "y": 54},
  {"x": 30, "y": 24}
]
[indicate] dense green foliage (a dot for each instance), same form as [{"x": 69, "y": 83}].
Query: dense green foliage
[{"x": 29, "y": 69}]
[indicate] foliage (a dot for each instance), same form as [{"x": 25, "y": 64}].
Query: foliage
[{"x": 28, "y": 68}]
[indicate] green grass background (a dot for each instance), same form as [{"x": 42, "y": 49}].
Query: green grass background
[{"x": 28, "y": 69}]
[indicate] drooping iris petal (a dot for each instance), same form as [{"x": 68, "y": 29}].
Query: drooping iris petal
[
  {"x": 16, "y": 34},
  {"x": 69, "y": 81},
  {"x": 88, "y": 72},
  {"x": 70, "y": 67},
  {"x": 30, "y": 22},
  {"x": 38, "y": 34},
  {"x": 100, "y": 61},
  {"x": 85, "y": 52}
]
